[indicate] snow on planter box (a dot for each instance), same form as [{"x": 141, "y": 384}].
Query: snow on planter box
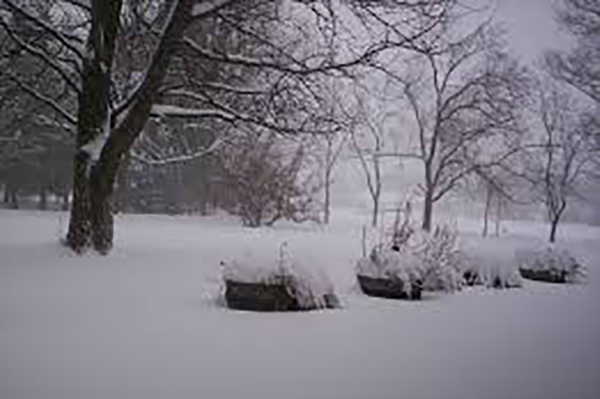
[
  {"x": 387, "y": 273},
  {"x": 421, "y": 261},
  {"x": 551, "y": 265},
  {"x": 276, "y": 285}
]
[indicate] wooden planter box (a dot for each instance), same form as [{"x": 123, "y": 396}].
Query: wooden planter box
[
  {"x": 545, "y": 275},
  {"x": 269, "y": 297},
  {"x": 387, "y": 288}
]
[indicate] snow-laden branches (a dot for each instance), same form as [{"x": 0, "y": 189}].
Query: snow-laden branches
[
  {"x": 71, "y": 42},
  {"x": 162, "y": 161},
  {"x": 44, "y": 99},
  {"x": 42, "y": 55}
]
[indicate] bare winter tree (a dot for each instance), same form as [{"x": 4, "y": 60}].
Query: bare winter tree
[
  {"x": 579, "y": 66},
  {"x": 499, "y": 185},
  {"x": 560, "y": 157},
  {"x": 368, "y": 142},
  {"x": 334, "y": 144},
  {"x": 464, "y": 99},
  {"x": 175, "y": 62},
  {"x": 265, "y": 183}
]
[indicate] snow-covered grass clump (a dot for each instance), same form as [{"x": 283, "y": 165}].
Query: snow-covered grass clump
[
  {"x": 551, "y": 264},
  {"x": 279, "y": 283}
]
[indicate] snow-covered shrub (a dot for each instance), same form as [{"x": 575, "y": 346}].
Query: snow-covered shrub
[
  {"x": 489, "y": 272},
  {"x": 265, "y": 184},
  {"x": 550, "y": 264},
  {"x": 503, "y": 277},
  {"x": 278, "y": 284},
  {"x": 385, "y": 263},
  {"x": 429, "y": 261},
  {"x": 440, "y": 257}
]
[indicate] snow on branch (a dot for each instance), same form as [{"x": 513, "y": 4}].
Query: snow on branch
[
  {"x": 45, "y": 99},
  {"x": 251, "y": 62},
  {"x": 160, "y": 110},
  {"x": 181, "y": 158},
  {"x": 207, "y": 8},
  {"x": 41, "y": 55},
  {"x": 79, "y": 4}
]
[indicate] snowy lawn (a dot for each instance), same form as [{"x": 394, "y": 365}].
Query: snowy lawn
[{"x": 145, "y": 321}]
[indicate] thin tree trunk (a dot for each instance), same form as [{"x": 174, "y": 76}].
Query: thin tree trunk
[
  {"x": 43, "y": 204},
  {"x": 327, "y": 204},
  {"x": 13, "y": 197},
  {"x": 427, "y": 210},
  {"x": 65, "y": 201},
  {"x": 555, "y": 220},
  {"x": 553, "y": 229},
  {"x": 486, "y": 211},
  {"x": 375, "y": 215},
  {"x": 498, "y": 216}
]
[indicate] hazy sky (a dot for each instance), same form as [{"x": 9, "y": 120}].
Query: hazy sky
[{"x": 531, "y": 26}]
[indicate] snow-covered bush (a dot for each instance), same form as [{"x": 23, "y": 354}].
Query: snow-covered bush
[
  {"x": 276, "y": 284},
  {"x": 388, "y": 264},
  {"x": 550, "y": 264},
  {"x": 441, "y": 258},
  {"x": 489, "y": 272},
  {"x": 429, "y": 261},
  {"x": 503, "y": 277}
]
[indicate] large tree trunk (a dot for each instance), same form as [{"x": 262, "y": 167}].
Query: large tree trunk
[
  {"x": 93, "y": 125},
  {"x": 94, "y": 174}
]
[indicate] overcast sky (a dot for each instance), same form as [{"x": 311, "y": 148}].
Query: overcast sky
[{"x": 531, "y": 26}]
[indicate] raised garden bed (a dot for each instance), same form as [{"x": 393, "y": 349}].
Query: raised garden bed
[
  {"x": 545, "y": 275},
  {"x": 551, "y": 265},
  {"x": 392, "y": 288},
  {"x": 278, "y": 296}
]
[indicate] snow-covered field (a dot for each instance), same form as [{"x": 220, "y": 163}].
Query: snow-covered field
[{"x": 145, "y": 321}]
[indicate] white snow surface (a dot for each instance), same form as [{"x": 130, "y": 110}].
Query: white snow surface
[{"x": 144, "y": 322}]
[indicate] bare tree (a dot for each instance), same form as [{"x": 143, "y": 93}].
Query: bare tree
[
  {"x": 368, "y": 142},
  {"x": 578, "y": 67},
  {"x": 265, "y": 182},
  {"x": 334, "y": 145},
  {"x": 249, "y": 78},
  {"x": 464, "y": 99},
  {"x": 560, "y": 157}
]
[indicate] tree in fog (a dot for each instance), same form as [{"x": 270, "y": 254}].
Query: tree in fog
[
  {"x": 368, "y": 143},
  {"x": 173, "y": 62},
  {"x": 579, "y": 66},
  {"x": 559, "y": 157},
  {"x": 464, "y": 96},
  {"x": 265, "y": 180}
]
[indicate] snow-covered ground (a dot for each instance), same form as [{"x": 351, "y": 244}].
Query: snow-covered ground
[{"x": 145, "y": 321}]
